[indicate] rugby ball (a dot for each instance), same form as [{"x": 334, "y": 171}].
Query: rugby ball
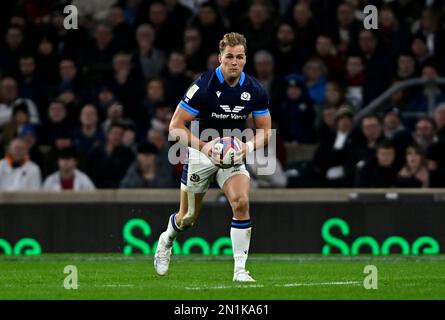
[{"x": 227, "y": 147}]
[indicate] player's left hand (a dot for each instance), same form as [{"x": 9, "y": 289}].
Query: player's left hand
[{"x": 241, "y": 154}]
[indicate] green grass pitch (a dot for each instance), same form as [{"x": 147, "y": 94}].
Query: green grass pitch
[{"x": 115, "y": 276}]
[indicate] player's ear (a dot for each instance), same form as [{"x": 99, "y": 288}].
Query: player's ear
[{"x": 219, "y": 58}]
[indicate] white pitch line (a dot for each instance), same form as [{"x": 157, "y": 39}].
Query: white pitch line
[
  {"x": 116, "y": 285},
  {"x": 337, "y": 283},
  {"x": 286, "y": 285}
]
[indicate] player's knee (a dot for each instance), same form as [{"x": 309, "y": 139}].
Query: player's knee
[{"x": 240, "y": 206}]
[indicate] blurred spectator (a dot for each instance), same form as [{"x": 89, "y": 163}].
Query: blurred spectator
[
  {"x": 20, "y": 117},
  {"x": 30, "y": 84},
  {"x": 158, "y": 138},
  {"x": 9, "y": 99},
  {"x": 98, "y": 54},
  {"x": 439, "y": 118},
  {"x": 400, "y": 98},
  {"x": 328, "y": 53},
  {"x": 108, "y": 163},
  {"x": 346, "y": 28},
  {"x": 131, "y": 9},
  {"x": 306, "y": 29},
  {"x": 432, "y": 32},
  {"x": 177, "y": 17},
  {"x": 367, "y": 140},
  {"x": 212, "y": 62},
  {"x": 126, "y": 83},
  {"x": 29, "y": 133},
  {"x": 326, "y": 126},
  {"x": 420, "y": 101},
  {"x": 355, "y": 81},
  {"x": 287, "y": 56},
  {"x": 157, "y": 18},
  {"x": 436, "y": 163},
  {"x": 315, "y": 73},
  {"x": 57, "y": 122},
  {"x": 89, "y": 136},
  {"x": 62, "y": 139},
  {"x": 395, "y": 131},
  {"x": 129, "y": 138},
  {"x": 193, "y": 50},
  {"x": 406, "y": 67},
  {"x": 97, "y": 9},
  {"x": 378, "y": 65},
  {"x": 72, "y": 105},
  {"x": 330, "y": 162},
  {"x": 17, "y": 172},
  {"x": 66, "y": 43},
  {"x": 264, "y": 65},
  {"x": 154, "y": 96},
  {"x": 70, "y": 78},
  {"x": 68, "y": 177},
  {"x": 334, "y": 94},
  {"x": 258, "y": 28},
  {"x": 394, "y": 37},
  {"x": 47, "y": 61},
  {"x": 104, "y": 99},
  {"x": 11, "y": 49},
  {"x": 425, "y": 133},
  {"x": 228, "y": 10},
  {"x": 415, "y": 173},
  {"x": 123, "y": 34},
  {"x": 392, "y": 124},
  {"x": 210, "y": 25},
  {"x": 176, "y": 76},
  {"x": 379, "y": 171},
  {"x": 149, "y": 59},
  {"x": 115, "y": 113},
  {"x": 162, "y": 118},
  {"x": 296, "y": 114},
  {"x": 420, "y": 51},
  {"x": 143, "y": 173}
]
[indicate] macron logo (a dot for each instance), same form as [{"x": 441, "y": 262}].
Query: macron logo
[
  {"x": 218, "y": 93},
  {"x": 236, "y": 109}
]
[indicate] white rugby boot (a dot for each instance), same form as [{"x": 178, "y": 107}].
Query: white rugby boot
[
  {"x": 243, "y": 276},
  {"x": 162, "y": 255}
]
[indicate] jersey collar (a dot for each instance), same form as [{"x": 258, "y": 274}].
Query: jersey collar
[{"x": 221, "y": 77}]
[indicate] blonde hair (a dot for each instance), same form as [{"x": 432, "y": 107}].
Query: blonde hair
[{"x": 232, "y": 39}]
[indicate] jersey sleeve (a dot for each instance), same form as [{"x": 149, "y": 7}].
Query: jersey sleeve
[
  {"x": 261, "y": 107},
  {"x": 193, "y": 99}
]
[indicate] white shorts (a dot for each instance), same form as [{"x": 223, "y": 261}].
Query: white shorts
[{"x": 199, "y": 172}]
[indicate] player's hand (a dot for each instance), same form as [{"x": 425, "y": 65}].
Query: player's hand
[
  {"x": 241, "y": 154},
  {"x": 212, "y": 152}
]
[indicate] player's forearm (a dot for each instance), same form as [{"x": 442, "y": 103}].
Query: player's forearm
[{"x": 184, "y": 135}]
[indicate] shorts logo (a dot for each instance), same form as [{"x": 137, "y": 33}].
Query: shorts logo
[
  {"x": 194, "y": 178},
  {"x": 245, "y": 96}
]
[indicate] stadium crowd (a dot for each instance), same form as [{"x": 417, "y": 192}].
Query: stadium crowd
[{"x": 89, "y": 108}]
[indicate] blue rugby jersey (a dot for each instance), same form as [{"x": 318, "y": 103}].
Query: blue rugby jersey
[{"x": 218, "y": 106}]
